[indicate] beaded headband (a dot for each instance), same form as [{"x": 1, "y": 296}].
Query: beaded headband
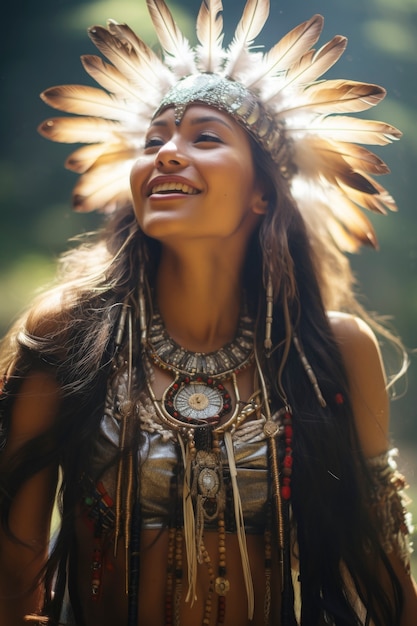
[
  {"x": 276, "y": 96},
  {"x": 232, "y": 98}
]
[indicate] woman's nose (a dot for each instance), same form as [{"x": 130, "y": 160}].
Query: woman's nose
[{"x": 170, "y": 155}]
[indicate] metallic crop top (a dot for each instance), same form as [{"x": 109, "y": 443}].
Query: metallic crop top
[{"x": 158, "y": 458}]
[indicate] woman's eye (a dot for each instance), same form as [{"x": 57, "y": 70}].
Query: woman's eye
[
  {"x": 207, "y": 137},
  {"x": 153, "y": 142}
]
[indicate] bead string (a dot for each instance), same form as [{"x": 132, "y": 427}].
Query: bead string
[
  {"x": 268, "y": 568},
  {"x": 288, "y": 458},
  {"x": 168, "y": 355}
]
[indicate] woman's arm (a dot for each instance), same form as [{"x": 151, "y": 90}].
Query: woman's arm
[
  {"x": 30, "y": 516},
  {"x": 370, "y": 405}
]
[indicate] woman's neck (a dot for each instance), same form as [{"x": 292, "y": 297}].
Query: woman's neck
[{"x": 199, "y": 297}]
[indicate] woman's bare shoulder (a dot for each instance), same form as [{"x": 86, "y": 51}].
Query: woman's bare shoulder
[
  {"x": 349, "y": 328},
  {"x": 366, "y": 380}
]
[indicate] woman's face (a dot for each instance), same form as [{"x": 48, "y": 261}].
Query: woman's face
[{"x": 197, "y": 179}]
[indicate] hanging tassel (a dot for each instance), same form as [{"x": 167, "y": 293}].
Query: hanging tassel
[
  {"x": 189, "y": 523},
  {"x": 240, "y": 524},
  {"x": 124, "y": 493},
  {"x": 269, "y": 314},
  {"x": 309, "y": 371},
  {"x": 142, "y": 301}
]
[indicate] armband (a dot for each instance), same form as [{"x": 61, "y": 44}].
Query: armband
[{"x": 389, "y": 505}]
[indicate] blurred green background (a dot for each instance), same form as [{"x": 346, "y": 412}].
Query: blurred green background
[{"x": 40, "y": 47}]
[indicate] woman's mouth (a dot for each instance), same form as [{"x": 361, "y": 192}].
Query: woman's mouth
[{"x": 173, "y": 187}]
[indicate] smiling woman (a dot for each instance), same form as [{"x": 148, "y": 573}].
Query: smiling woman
[
  {"x": 207, "y": 157},
  {"x": 202, "y": 378}
]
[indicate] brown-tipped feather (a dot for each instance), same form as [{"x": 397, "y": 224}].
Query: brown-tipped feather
[
  {"x": 310, "y": 67},
  {"x": 86, "y": 157},
  {"x": 250, "y": 24},
  {"x": 289, "y": 49},
  {"x": 170, "y": 36},
  {"x": 80, "y": 129},
  {"x": 351, "y": 228},
  {"x": 140, "y": 64},
  {"x": 111, "y": 78},
  {"x": 337, "y": 96},
  {"x": 359, "y": 158},
  {"x": 84, "y": 100},
  {"x": 349, "y": 129},
  {"x": 209, "y": 30},
  {"x": 102, "y": 188},
  {"x": 378, "y": 202}
]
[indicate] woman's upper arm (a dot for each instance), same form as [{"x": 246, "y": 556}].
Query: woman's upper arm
[
  {"x": 366, "y": 381},
  {"x": 367, "y": 384},
  {"x": 33, "y": 413},
  {"x": 34, "y": 410}
]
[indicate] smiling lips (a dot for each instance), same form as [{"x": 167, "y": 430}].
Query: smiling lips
[{"x": 170, "y": 187}]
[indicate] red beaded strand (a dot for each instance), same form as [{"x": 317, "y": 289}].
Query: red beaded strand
[{"x": 288, "y": 458}]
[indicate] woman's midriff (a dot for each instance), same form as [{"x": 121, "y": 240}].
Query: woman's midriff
[{"x": 111, "y": 606}]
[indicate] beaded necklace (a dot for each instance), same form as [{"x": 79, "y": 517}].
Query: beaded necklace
[
  {"x": 199, "y": 408},
  {"x": 196, "y": 406}
]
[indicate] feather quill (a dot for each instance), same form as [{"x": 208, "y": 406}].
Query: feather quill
[
  {"x": 251, "y": 23},
  {"x": 81, "y": 129},
  {"x": 321, "y": 161},
  {"x": 103, "y": 188},
  {"x": 346, "y": 129},
  {"x": 86, "y": 157},
  {"x": 175, "y": 44},
  {"x": 359, "y": 157},
  {"x": 210, "y": 35},
  {"x": 84, "y": 100},
  {"x": 288, "y": 50},
  {"x": 377, "y": 203},
  {"x": 111, "y": 79},
  {"x": 348, "y": 225},
  {"x": 139, "y": 64},
  {"x": 312, "y": 66},
  {"x": 335, "y": 96}
]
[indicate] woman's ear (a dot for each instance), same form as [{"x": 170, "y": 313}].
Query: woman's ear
[{"x": 260, "y": 203}]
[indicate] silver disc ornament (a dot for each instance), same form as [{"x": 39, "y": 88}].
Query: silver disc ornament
[{"x": 198, "y": 400}]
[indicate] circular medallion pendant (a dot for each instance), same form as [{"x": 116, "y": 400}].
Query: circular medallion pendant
[
  {"x": 198, "y": 400},
  {"x": 208, "y": 482}
]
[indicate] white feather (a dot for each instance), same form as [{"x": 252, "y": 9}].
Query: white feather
[
  {"x": 103, "y": 188},
  {"x": 84, "y": 100},
  {"x": 210, "y": 34},
  {"x": 314, "y": 64},
  {"x": 346, "y": 129},
  {"x": 288, "y": 50},
  {"x": 113, "y": 80},
  {"x": 176, "y": 45},
  {"x": 251, "y": 23},
  {"x": 81, "y": 129}
]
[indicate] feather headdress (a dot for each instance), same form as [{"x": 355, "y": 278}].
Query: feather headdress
[{"x": 276, "y": 95}]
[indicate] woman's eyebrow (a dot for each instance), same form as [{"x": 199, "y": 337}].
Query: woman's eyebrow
[
  {"x": 158, "y": 123},
  {"x": 195, "y": 121},
  {"x": 210, "y": 118}
]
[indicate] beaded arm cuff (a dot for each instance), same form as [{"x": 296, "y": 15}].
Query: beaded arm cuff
[{"x": 389, "y": 504}]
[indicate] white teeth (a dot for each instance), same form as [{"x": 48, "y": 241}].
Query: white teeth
[{"x": 166, "y": 187}]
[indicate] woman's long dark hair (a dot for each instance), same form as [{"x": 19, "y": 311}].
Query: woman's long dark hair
[{"x": 71, "y": 333}]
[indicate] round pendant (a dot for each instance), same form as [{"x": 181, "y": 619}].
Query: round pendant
[
  {"x": 198, "y": 401},
  {"x": 208, "y": 482}
]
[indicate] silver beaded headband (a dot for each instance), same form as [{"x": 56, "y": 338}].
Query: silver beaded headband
[{"x": 234, "y": 99}]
